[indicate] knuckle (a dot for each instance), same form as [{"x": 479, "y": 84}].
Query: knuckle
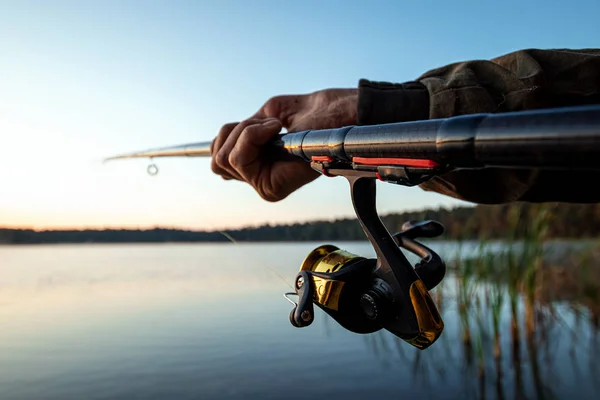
[
  {"x": 217, "y": 169},
  {"x": 222, "y": 158},
  {"x": 270, "y": 195},
  {"x": 227, "y": 128},
  {"x": 278, "y": 105},
  {"x": 321, "y": 97},
  {"x": 250, "y": 130},
  {"x": 271, "y": 198},
  {"x": 272, "y": 105},
  {"x": 234, "y": 159},
  {"x": 252, "y": 122},
  {"x": 243, "y": 125}
]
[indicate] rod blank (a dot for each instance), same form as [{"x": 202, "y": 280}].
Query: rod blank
[
  {"x": 553, "y": 138},
  {"x": 200, "y": 149}
]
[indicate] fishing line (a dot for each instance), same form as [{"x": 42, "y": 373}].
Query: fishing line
[
  {"x": 153, "y": 170},
  {"x": 232, "y": 240}
]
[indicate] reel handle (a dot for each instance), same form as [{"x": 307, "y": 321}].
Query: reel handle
[
  {"x": 431, "y": 269},
  {"x": 421, "y": 229}
]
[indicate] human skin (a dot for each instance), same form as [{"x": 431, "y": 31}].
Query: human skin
[{"x": 236, "y": 151}]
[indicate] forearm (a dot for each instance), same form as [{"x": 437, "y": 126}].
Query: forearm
[
  {"x": 522, "y": 80},
  {"x": 526, "y": 79}
]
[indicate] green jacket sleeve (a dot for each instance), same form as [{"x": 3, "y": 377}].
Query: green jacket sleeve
[{"x": 522, "y": 80}]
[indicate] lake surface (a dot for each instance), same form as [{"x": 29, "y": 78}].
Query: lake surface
[{"x": 206, "y": 321}]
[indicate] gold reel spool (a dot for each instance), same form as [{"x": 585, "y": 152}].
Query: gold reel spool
[{"x": 327, "y": 259}]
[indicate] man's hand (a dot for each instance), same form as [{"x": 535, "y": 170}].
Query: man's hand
[{"x": 236, "y": 151}]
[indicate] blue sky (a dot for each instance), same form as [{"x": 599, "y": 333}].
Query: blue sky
[{"x": 81, "y": 80}]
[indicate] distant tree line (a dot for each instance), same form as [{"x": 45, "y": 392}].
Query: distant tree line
[{"x": 478, "y": 222}]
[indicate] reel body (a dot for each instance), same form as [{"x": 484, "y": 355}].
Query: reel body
[{"x": 365, "y": 295}]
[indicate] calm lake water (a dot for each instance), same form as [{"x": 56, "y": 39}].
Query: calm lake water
[{"x": 199, "y": 321}]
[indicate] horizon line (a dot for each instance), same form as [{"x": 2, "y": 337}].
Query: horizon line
[{"x": 230, "y": 228}]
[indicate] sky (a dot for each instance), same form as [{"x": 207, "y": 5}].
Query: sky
[{"x": 82, "y": 80}]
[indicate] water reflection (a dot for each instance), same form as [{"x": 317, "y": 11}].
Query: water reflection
[
  {"x": 205, "y": 321},
  {"x": 524, "y": 332}
]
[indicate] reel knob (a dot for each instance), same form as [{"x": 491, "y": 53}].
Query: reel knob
[
  {"x": 373, "y": 304},
  {"x": 369, "y": 306}
]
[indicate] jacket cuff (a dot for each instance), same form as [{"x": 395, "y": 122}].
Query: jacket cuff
[{"x": 384, "y": 102}]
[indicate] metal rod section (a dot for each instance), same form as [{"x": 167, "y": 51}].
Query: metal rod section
[
  {"x": 551, "y": 138},
  {"x": 201, "y": 149}
]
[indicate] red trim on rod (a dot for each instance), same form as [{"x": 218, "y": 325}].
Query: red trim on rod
[
  {"x": 405, "y": 162},
  {"x": 322, "y": 158}
]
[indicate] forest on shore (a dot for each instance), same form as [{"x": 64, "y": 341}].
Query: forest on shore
[{"x": 461, "y": 223}]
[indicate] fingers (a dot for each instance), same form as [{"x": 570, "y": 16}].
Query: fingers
[
  {"x": 217, "y": 143},
  {"x": 222, "y": 156},
  {"x": 239, "y": 144},
  {"x": 247, "y": 150},
  {"x": 284, "y": 108},
  {"x": 248, "y": 160}
]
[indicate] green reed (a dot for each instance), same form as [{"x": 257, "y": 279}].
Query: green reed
[
  {"x": 508, "y": 301},
  {"x": 485, "y": 280}
]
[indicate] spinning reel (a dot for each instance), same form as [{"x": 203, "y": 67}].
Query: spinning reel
[{"x": 365, "y": 295}]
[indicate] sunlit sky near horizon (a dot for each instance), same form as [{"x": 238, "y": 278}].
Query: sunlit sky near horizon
[{"x": 81, "y": 80}]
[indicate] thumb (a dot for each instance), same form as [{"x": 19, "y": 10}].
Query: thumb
[{"x": 284, "y": 108}]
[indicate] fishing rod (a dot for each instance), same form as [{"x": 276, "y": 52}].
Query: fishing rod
[{"x": 387, "y": 292}]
